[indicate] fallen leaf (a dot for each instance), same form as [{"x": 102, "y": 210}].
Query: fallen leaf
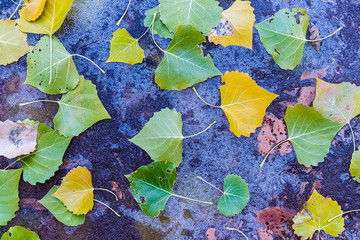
[
  {"x": 265, "y": 234},
  {"x": 159, "y": 27},
  {"x": 314, "y": 35},
  {"x": 307, "y": 96},
  {"x": 19, "y": 233},
  {"x": 355, "y": 166},
  {"x": 17, "y": 139},
  {"x": 32, "y": 9},
  {"x": 210, "y": 234},
  {"x": 313, "y": 74},
  {"x": 236, "y": 26}
]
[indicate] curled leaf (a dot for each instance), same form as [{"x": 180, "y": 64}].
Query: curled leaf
[{"x": 32, "y": 9}]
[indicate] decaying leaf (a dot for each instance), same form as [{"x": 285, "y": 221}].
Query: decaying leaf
[
  {"x": 32, "y": 9},
  {"x": 355, "y": 166},
  {"x": 159, "y": 27},
  {"x": 236, "y": 26},
  {"x": 13, "y": 43},
  {"x": 17, "y": 139},
  {"x": 19, "y": 233},
  {"x": 314, "y": 35},
  {"x": 316, "y": 215}
]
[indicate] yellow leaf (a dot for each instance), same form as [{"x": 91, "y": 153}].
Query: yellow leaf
[
  {"x": 32, "y": 9},
  {"x": 318, "y": 214},
  {"x": 236, "y": 26},
  {"x": 76, "y": 191},
  {"x": 244, "y": 102}
]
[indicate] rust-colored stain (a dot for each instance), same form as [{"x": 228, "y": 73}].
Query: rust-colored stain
[
  {"x": 307, "y": 96},
  {"x": 265, "y": 234},
  {"x": 210, "y": 234},
  {"x": 312, "y": 74}
]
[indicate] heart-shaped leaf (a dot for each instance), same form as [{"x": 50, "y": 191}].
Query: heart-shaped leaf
[
  {"x": 32, "y": 9},
  {"x": 19, "y": 233}
]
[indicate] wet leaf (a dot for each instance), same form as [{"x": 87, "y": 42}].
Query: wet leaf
[
  {"x": 283, "y": 36},
  {"x": 76, "y": 191},
  {"x": 162, "y": 136},
  {"x": 355, "y": 166},
  {"x": 19, "y": 233},
  {"x": 13, "y": 43},
  {"x": 17, "y": 139},
  {"x": 244, "y": 102},
  {"x": 159, "y": 27},
  {"x": 152, "y": 185},
  {"x": 202, "y": 14},
  {"x": 235, "y": 196},
  {"x": 236, "y": 26},
  {"x": 315, "y": 215},
  {"x": 32, "y": 9},
  {"x": 79, "y": 109},
  {"x": 183, "y": 64},
  {"x": 50, "y": 21},
  {"x": 58, "y": 209},
  {"x": 9, "y": 194},
  {"x": 310, "y": 134},
  {"x": 124, "y": 48}
]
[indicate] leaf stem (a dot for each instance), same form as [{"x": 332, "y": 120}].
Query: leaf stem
[
  {"x": 152, "y": 23},
  {"x": 353, "y": 136},
  {"x": 355, "y": 210},
  {"x": 267, "y": 155},
  {"x": 127, "y": 8},
  {"x": 210, "y": 184},
  {"x": 152, "y": 33},
  {"x": 194, "y": 135},
  {"x": 78, "y": 55},
  {"x": 104, "y": 189},
  {"x": 17, "y": 7},
  {"x": 204, "y": 100},
  {"x": 317, "y": 40},
  {"x": 191, "y": 199},
  {"x": 17, "y": 160},
  {"x": 107, "y": 207},
  {"x": 234, "y": 229},
  {"x": 36, "y": 101}
]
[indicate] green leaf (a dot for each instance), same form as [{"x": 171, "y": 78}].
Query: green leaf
[
  {"x": 59, "y": 77},
  {"x": 124, "y": 48},
  {"x": 58, "y": 209},
  {"x": 355, "y": 166},
  {"x": 183, "y": 64},
  {"x": 316, "y": 215},
  {"x": 162, "y": 136},
  {"x": 13, "y": 43},
  {"x": 310, "y": 134},
  {"x": 159, "y": 27},
  {"x": 152, "y": 185},
  {"x": 79, "y": 109},
  {"x": 42, "y": 164},
  {"x": 19, "y": 233},
  {"x": 202, "y": 14},
  {"x": 9, "y": 194},
  {"x": 50, "y": 20},
  {"x": 283, "y": 36},
  {"x": 235, "y": 196}
]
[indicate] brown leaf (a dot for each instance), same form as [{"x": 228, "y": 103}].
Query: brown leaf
[
  {"x": 314, "y": 35},
  {"x": 313, "y": 74},
  {"x": 210, "y": 234}
]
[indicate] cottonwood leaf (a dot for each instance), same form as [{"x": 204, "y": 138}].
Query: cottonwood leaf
[
  {"x": 338, "y": 102},
  {"x": 355, "y": 166},
  {"x": 76, "y": 191},
  {"x": 50, "y": 21},
  {"x": 58, "y": 209},
  {"x": 314, "y": 35},
  {"x": 202, "y": 14},
  {"x": 315, "y": 215},
  {"x": 79, "y": 109},
  {"x": 52, "y": 77},
  {"x": 159, "y": 27},
  {"x": 42, "y": 164},
  {"x": 19, "y": 233},
  {"x": 32, "y": 9},
  {"x": 13, "y": 43},
  {"x": 283, "y": 36},
  {"x": 236, "y": 26},
  {"x": 183, "y": 64},
  {"x": 244, "y": 102},
  {"x": 17, "y": 139},
  {"x": 310, "y": 134},
  {"x": 162, "y": 137},
  {"x": 152, "y": 185},
  {"x": 124, "y": 48},
  {"x": 9, "y": 194},
  {"x": 235, "y": 196}
]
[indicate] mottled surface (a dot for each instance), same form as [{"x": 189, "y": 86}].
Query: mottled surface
[{"x": 131, "y": 97}]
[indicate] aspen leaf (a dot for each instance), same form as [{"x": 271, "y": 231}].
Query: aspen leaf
[
  {"x": 315, "y": 215},
  {"x": 236, "y": 26},
  {"x": 9, "y": 194},
  {"x": 124, "y": 48},
  {"x": 152, "y": 185},
  {"x": 76, "y": 191},
  {"x": 32, "y": 9},
  {"x": 19, "y": 233},
  {"x": 159, "y": 27},
  {"x": 13, "y": 43},
  {"x": 355, "y": 166},
  {"x": 183, "y": 64},
  {"x": 202, "y": 14}
]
